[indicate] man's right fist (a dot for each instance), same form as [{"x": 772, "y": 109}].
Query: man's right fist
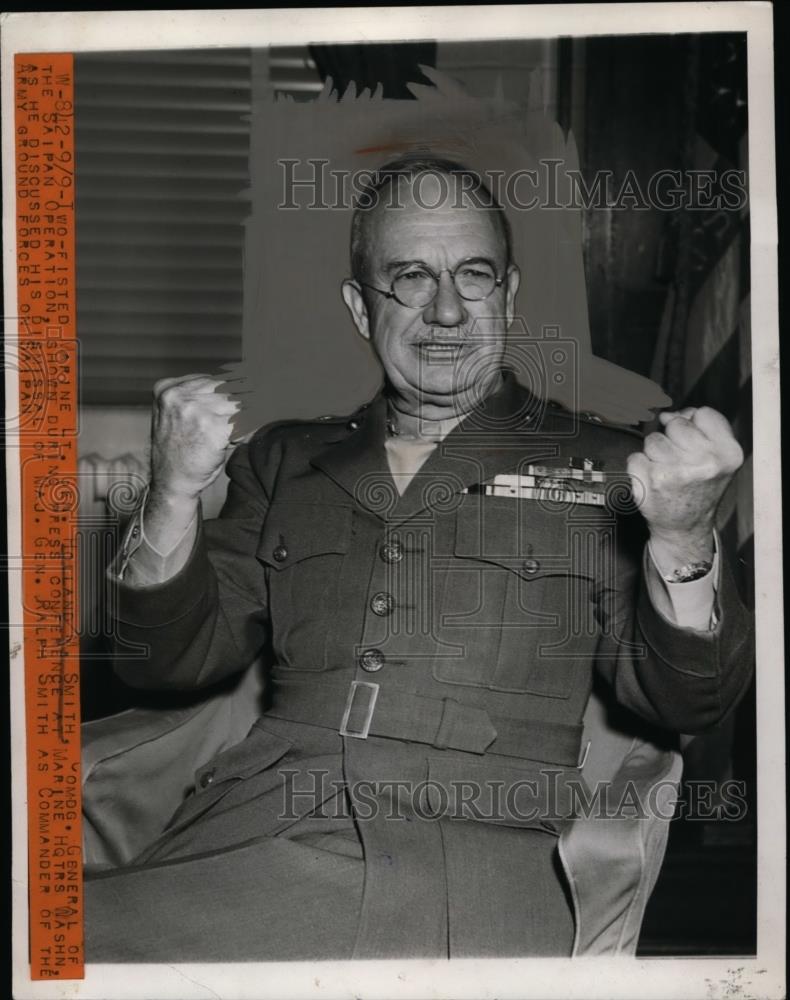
[{"x": 191, "y": 429}]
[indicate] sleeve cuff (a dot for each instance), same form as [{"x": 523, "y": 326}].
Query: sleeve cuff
[
  {"x": 139, "y": 563},
  {"x": 148, "y": 593},
  {"x": 162, "y": 603},
  {"x": 687, "y": 650},
  {"x": 689, "y": 605}
]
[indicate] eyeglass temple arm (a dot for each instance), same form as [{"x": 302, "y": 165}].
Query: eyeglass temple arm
[{"x": 388, "y": 295}]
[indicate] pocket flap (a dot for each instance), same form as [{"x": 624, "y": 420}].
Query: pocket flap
[
  {"x": 296, "y": 531},
  {"x": 523, "y": 537},
  {"x": 257, "y": 751},
  {"x": 531, "y": 794}
]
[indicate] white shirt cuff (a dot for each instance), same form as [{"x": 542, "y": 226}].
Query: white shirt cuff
[
  {"x": 139, "y": 563},
  {"x": 686, "y": 605}
]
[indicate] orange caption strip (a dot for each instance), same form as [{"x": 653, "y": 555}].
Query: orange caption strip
[{"x": 47, "y": 353}]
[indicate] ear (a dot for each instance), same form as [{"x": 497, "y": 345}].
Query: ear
[
  {"x": 352, "y": 296},
  {"x": 512, "y": 281}
]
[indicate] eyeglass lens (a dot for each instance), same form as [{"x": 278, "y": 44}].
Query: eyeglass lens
[{"x": 417, "y": 287}]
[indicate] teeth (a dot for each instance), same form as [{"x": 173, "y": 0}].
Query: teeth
[{"x": 441, "y": 354}]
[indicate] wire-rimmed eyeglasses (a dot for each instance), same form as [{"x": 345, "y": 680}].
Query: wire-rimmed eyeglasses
[{"x": 417, "y": 286}]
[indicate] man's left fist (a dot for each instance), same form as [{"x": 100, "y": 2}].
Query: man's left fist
[{"x": 681, "y": 474}]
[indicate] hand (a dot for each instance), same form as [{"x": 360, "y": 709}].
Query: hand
[
  {"x": 190, "y": 435},
  {"x": 679, "y": 478}
]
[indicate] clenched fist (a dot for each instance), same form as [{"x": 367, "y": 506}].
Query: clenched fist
[
  {"x": 679, "y": 478},
  {"x": 190, "y": 435}
]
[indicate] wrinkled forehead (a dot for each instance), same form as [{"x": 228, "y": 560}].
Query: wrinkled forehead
[{"x": 434, "y": 208}]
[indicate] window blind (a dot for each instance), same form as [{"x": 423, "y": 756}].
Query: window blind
[
  {"x": 293, "y": 73},
  {"x": 161, "y": 149}
]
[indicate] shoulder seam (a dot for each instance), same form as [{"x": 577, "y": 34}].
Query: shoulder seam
[{"x": 588, "y": 417}]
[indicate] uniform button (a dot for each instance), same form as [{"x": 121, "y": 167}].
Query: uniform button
[
  {"x": 206, "y": 779},
  {"x": 353, "y": 425},
  {"x": 391, "y": 552},
  {"x": 280, "y": 553},
  {"x": 135, "y": 531},
  {"x": 372, "y": 660},
  {"x": 530, "y": 566},
  {"x": 382, "y": 604}
]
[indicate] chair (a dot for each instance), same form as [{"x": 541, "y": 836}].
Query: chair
[
  {"x": 612, "y": 862},
  {"x": 138, "y": 765}
]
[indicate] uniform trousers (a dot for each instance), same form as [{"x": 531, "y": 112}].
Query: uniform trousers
[{"x": 281, "y": 866}]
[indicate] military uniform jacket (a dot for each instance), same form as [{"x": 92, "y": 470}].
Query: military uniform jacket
[{"x": 444, "y": 636}]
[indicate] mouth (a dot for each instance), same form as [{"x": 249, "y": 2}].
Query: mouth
[{"x": 440, "y": 352}]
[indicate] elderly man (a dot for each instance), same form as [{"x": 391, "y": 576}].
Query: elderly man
[{"x": 432, "y": 581}]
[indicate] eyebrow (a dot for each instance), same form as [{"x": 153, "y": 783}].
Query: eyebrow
[{"x": 396, "y": 265}]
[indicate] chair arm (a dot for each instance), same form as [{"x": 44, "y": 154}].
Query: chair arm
[
  {"x": 139, "y": 765},
  {"x": 612, "y": 853}
]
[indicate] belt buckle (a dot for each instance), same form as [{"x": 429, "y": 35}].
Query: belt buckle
[{"x": 361, "y": 734}]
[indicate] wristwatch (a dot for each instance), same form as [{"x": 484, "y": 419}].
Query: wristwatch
[{"x": 691, "y": 571}]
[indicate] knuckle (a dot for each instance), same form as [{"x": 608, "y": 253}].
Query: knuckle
[
  {"x": 170, "y": 394},
  {"x": 660, "y": 475},
  {"x": 675, "y": 431}
]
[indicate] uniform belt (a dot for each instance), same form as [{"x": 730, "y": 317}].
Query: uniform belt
[{"x": 364, "y": 708}]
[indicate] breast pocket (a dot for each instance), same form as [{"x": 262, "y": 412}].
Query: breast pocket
[
  {"x": 517, "y": 596},
  {"x": 304, "y": 548}
]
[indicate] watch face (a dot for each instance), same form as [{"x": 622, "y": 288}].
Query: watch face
[{"x": 693, "y": 571}]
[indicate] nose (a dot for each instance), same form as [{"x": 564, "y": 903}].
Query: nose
[{"x": 447, "y": 309}]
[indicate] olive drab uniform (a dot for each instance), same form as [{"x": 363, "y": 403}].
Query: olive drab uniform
[{"x": 443, "y": 640}]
